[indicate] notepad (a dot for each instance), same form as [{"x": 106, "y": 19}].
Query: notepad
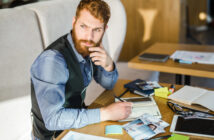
[{"x": 142, "y": 105}]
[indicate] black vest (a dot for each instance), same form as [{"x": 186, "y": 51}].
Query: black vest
[{"x": 73, "y": 89}]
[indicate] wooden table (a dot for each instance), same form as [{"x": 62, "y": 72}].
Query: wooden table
[
  {"x": 107, "y": 98},
  {"x": 201, "y": 70}
]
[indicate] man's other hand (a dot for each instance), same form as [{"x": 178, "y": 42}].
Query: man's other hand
[
  {"x": 100, "y": 57},
  {"x": 116, "y": 111}
]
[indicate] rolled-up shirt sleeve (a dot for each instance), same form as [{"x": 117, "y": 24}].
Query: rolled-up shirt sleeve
[
  {"x": 104, "y": 78},
  {"x": 49, "y": 75}
]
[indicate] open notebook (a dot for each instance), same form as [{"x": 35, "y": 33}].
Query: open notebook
[
  {"x": 142, "y": 105},
  {"x": 194, "y": 95}
]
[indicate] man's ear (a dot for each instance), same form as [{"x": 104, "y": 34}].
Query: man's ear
[
  {"x": 106, "y": 27},
  {"x": 73, "y": 21}
]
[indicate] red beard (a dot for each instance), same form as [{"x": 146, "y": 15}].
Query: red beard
[{"x": 81, "y": 49}]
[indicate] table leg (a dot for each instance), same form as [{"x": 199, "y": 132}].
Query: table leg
[
  {"x": 178, "y": 79},
  {"x": 187, "y": 79}
]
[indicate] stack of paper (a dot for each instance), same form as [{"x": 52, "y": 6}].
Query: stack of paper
[{"x": 145, "y": 127}]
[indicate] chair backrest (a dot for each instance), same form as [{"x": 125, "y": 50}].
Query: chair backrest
[
  {"x": 21, "y": 42},
  {"x": 55, "y": 19},
  {"x": 116, "y": 28}
]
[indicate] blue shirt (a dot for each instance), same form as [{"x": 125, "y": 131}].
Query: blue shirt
[{"x": 49, "y": 75}]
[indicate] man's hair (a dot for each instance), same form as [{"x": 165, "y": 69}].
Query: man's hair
[{"x": 98, "y": 8}]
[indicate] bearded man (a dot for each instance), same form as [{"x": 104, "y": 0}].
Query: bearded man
[{"x": 61, "y": 74}]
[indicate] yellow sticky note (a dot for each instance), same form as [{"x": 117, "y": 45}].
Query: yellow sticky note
[{"x": 162, "y": 92}]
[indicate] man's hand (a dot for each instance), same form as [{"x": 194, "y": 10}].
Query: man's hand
[
  {"x": 100, "y": 57},
  {"x": 116, "y": 111}
]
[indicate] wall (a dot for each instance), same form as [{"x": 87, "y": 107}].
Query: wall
[{"x": 195, "y": 7}]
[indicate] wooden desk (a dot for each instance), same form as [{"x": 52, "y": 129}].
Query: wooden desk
[
  {"x": 201, "y": 70},
  {"x": 107, "y": 98}
]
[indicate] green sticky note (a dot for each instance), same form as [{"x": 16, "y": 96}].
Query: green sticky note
[
  {"x": 113, "y": 129},
  {"x": 178, "y": 137}
]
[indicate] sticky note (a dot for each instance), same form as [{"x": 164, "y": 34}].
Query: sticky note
[
  {"x": 162, "y": 92},
  {"x": 178, "y": 137},
  {"x": 113, "y": 129}
]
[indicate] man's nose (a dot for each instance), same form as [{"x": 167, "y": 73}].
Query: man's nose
[{"x": 89, "y": 35}]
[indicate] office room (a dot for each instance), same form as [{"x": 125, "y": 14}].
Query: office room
[{"x": 124, "y": 73}]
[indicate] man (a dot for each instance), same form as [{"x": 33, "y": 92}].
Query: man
[
  {"x": 61, "y": 74},
  {"x": 152, "y": 126}
]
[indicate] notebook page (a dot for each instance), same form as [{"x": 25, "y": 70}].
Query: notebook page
[
  {"x": 187, "y": 94},
  {"x": 72, "y": 135},
  {"x": 206, "y": 100}
]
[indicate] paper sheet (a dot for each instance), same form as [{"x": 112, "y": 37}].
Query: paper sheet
[
  {"x": 193, "y": 56},
  {"x": 71, "y": 135}
]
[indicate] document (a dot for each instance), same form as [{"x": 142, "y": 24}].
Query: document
[
  {"x": 145, "y": 127},
  {"x": 194, "y": 57},
  {"x": 71, "y": 135},
  {"x": 194, "y": 95}
]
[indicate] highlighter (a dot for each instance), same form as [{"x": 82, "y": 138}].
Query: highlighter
[{"x": 172, "y": 89}]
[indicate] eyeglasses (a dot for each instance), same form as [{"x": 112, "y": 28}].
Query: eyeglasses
[{"x": 188, "y": 112}]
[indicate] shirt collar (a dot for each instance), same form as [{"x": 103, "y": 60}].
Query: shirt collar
[{"x": 79, "y": 56}]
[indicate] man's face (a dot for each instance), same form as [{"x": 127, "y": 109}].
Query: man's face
[
  {"x": 87, "y": 32},
  {"x": 153, "y": 127}
]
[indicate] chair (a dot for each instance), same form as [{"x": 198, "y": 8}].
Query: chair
[
  {"x": 20, "y": 44},
  {"x": 56, "y": 20}
]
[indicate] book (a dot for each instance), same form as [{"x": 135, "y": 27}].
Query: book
[
  {"x": 154, "y": 57},
  {"x": 140, "y": 106},
  {"x": 194, "y": 95}
]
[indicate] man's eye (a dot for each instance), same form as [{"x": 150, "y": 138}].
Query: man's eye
[
  {"x": 97, "y": 30},
  {"x": 83, "y": 26}
]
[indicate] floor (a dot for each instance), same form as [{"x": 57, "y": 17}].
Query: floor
[{"x": 200, "y": 37}]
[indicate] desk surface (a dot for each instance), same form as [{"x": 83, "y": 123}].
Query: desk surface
[
  {"x": 201, "y": 70},
  {"x": 107, "y": 98}
]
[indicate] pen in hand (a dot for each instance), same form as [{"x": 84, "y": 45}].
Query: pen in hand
[{"x": 119, "y": 98}]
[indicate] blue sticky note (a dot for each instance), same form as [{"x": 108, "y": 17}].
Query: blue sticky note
[{"x": 113, "y": 129}]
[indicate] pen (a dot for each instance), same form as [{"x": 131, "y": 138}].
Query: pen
[
  {"x": 182, "y": 61},
  {"x": 172, "y": 88},
  {"x": 119, "y": 98}
]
